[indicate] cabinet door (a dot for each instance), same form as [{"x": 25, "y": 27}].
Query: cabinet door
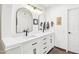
[
  {"x": 16, "y": 50},
  {"x": 31, "y": 47},
  {"x": 39, "y": 46},
  {"x": 27, "y": 49},
  {"x": 35, "y": 46},
  {"x": 50, "y": 41}
]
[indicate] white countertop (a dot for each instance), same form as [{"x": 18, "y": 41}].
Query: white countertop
[{"x": 11, "y": 42}]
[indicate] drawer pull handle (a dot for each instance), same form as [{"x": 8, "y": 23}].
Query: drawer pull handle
[
  {"x": 44, "y": 52},
  {"x": 44, "y": 39},
  {"x": 45, "y": 43},
  {"x": 44, "y": 47},
  {"x": 50, "y": 40},
  {"x": 34, "y": 51},
  {"x": 34, "y": 43}
]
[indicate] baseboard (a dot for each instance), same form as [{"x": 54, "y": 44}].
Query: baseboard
[
  {"x": 60, "y": 48},
  {"x": 72, "y": 52}
]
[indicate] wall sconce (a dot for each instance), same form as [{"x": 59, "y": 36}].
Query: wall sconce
[{"x": 36, "y": 9}]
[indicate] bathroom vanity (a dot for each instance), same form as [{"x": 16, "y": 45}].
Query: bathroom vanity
[
  {"x": 20, "y": 35},
  {"x": 36, "y": 44}
]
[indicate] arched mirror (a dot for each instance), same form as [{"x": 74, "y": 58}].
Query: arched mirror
[{"x": 24, "y": 20}]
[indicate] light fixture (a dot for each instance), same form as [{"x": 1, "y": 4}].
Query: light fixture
[{"x": 35, "y": 9}]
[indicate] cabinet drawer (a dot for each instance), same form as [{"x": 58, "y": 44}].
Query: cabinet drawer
[
  {"x": 44, "y": 39},
  {"x": 30, "y": 44},
  {"x": 30, "y": 51}
]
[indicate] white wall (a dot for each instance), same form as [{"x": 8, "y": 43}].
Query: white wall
[
  {"x": 6, "y": 20},
  {"x": 61, "y": 32},
  {"x": 9, "y": 20}
]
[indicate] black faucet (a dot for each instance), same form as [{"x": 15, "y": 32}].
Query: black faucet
[{"x": 26, "y": 32}]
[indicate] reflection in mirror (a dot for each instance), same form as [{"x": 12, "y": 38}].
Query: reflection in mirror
[
  {"x": 35, "y": 21},
  {"x": 42, "y": 20},
  {"x": 24, "y": 20}
]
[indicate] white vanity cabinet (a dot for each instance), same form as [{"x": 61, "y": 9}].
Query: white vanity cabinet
[{"x": 39, "y": 45}]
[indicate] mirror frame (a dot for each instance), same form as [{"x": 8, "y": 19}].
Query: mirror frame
[{"x": 17, "y": 19}]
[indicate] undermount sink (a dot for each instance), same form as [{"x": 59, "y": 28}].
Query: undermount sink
[
  {"x": 24, "y": 38},
  {"x": 30, "y": 36}
]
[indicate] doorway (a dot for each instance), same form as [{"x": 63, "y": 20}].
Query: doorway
[{"x": 73, "y": 30}]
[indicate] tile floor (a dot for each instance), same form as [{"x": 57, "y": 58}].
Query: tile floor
[{"x": 58, "y": 51}]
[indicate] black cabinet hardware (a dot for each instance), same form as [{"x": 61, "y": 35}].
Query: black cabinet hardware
[
  {"x": 44, "y": 39},
  {"x": 44, "y": 47},
  {"x": 34, "y": 43},
  {"x": 34, "y": 51},
  {"x": 45, "y": 43},
  {"x": 44, "y": 52}
]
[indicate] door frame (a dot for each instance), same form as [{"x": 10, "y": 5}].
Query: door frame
[{"x": 68, "y": 10}]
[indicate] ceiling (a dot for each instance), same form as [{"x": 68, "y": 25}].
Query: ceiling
[{"x": 48, "y": 5}]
